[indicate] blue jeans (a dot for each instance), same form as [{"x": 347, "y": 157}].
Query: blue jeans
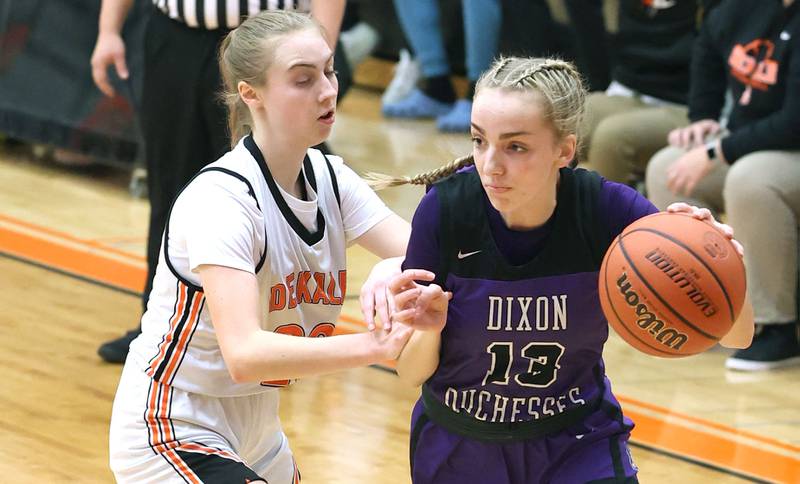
[{"x": 420, "y": 21}]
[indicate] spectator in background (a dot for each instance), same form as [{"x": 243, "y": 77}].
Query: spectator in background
[
  {"x": 435, "y": 97},
  {"x": 630, "y": 121},
  {"x": 183, "y": 124},
  {"x": 751, "y": 171}
]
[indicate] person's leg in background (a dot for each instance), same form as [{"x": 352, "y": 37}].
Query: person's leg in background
[
  {"x": 420, "y": 22},
  {"x": 600, "y": 106},
  {"x": 762, "y": 201},
  {"x": 623, "y": 141},
  {"x": 184, "y": 128},
  {"x": 482, "y": 20}
]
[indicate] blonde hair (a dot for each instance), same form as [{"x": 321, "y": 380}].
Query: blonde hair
[
  {"x": 557, "y": 83},
  {"x": 247, "y": 52}
]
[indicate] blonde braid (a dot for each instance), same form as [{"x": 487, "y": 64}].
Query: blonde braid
[{"x": 380, "y": 181}]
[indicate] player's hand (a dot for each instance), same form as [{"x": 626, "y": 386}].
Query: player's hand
[
  {"x": 421, "y": 307},
  {"x": 109, "y": 49},
  {"x": 685, "y": 173},
  {"x": 706, "y": 215},
  {"x": 374, "y": 297},
  {"x": 391, "y": 340},
  {"x": 694, "y": 134}
]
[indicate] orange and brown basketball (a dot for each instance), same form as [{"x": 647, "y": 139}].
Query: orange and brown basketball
[{"x": 671, "y": 285}]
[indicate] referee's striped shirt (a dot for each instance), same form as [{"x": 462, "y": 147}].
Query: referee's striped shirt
[{"x": 226, "y": 14}]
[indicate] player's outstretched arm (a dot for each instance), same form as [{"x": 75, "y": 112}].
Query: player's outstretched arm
[
  {"x": 741, "y": 333},
  {"x": 252, "y": 354},
  {"x": 425, "y": 309}
]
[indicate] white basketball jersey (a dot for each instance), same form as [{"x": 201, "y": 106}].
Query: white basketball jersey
[{"x": 234, "y": 214}]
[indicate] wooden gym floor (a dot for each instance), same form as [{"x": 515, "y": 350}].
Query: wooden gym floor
[{"x": 72, "y": 241}]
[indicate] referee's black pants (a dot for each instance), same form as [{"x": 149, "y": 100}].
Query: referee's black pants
[{"x": 184, "y": 125}]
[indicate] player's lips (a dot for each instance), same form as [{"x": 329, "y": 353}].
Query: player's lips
[
  {"x": 493, "y": 188},
  {"x": 328, "y": 117}
]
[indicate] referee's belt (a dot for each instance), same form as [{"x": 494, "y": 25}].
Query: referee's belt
[{"x": 469, "y": 426}]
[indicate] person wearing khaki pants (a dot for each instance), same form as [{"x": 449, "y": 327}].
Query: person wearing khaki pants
[
  {"x": 760, "y": 196},
  {"x": 629, "y": 121},
  {"x": 626, "y": 131},
  {"x": 751, "y": 170}
]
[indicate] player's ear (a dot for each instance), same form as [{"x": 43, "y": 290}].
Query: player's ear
[
  {"x": 566, "y": 150},
  {"x": 249, "y": 95}
]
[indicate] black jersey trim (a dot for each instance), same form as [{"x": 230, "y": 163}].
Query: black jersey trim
[
  {"x": 568, "y": 248},
  {"x": 178, "y": 330},
  {"x": 308, "y": 237},
  {"x": 334, "y": 181},
  {"x": 165, "y": 244},
  {"x": 468, "y": 426}
]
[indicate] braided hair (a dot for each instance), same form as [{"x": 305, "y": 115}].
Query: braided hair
[{"x": 556, "y": 82}]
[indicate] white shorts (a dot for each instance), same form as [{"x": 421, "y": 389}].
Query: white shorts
[{"x": 163, "y": 434}]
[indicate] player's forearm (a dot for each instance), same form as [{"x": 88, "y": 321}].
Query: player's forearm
[
  {"x": 419, "y": 358},
  {"x": 741, "y": 334},
  {"x": 272, "y": 356},
  {"x": 112, "y": 15}
]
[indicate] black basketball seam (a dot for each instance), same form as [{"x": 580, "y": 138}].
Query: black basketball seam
[
  {"x": 714, "y": 274},
  {"x": 656, "y": 294},
  {"x": 622, "y": 323}
]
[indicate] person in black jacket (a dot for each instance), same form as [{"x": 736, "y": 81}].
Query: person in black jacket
[
  {"x": 751, "y": 169},
  {"x": 651, "y": 51}
]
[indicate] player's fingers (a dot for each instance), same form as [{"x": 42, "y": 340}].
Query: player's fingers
[
  {"x": 402, "y": 299},
  {"x": 367, "y": 299},
  {"x": 407, "y": 277},
  {"x": 701, "y": 213},
  {"x": 404, "y": 316},
  {"x": 725, "y": 229},
  {"x": 739, "y": 247},
  {"x": 381, "y": 298},
  {"x": 678, "y": 207}
]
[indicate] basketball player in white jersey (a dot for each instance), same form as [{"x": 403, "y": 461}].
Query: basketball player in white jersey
[{"x": 251, "y": 273}]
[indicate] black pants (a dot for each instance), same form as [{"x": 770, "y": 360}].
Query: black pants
[{"x": 183, "y": 123}]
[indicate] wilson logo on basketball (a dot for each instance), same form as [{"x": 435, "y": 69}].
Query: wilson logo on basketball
[
  {"x": 683, "y": 280},
  {"x": 646, "y": 320}
]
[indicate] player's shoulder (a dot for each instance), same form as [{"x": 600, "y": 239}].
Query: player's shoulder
[{"x": 233, "y": 175}]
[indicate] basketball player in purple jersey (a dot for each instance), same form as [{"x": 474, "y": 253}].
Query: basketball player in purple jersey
[{"x": 513, "y": 383}]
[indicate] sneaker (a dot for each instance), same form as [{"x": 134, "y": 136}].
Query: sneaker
[
  {"x": 775, "y": 346},
  {"x": 416, "y": 105},
  {"x": 116, "y": 350},
  {"x": 406, "y": 75},
  {"x": 358, "y": 42},
  {"x": 458, "y": 119}
]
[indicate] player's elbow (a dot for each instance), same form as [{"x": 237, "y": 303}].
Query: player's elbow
[
  {"x": 737, "y": 341},
  {"x": 414, "y": 381},
  {"x": 240, "y": 372},
  {"x": 241, "y": 366}
]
